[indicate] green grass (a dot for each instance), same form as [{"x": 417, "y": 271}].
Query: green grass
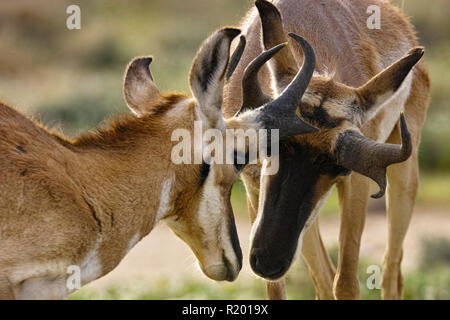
[
  {"x": 434, "y": 190},
  {"x": 185, "y": 289},
  {"x": 429, "y": 281},
  {"x": 418, "y": 285}
]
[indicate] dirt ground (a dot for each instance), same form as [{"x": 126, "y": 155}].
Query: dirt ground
[{"x": 162, "y": 254}]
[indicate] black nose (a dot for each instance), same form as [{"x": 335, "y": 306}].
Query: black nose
[
  {"x": 231, "y": 274},
  {"x": 267, "y": 266}
]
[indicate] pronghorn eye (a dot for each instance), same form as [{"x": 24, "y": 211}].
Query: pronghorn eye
[
  {"x": 204, "y": 172},
  {"x": 240, "y": 157}
]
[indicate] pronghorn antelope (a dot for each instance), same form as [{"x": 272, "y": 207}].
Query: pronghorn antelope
[
  {"x": 362, "y": 83},
  {"x": 87, "y": 202}
]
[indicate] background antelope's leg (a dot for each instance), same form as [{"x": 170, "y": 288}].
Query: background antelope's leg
[
  {"x": 403, "y": 181},
  {"x": 276, "y": 290},
  {"x": 353, "y": 197},
  {"x": 320, "y": 266},
  {"x": 401, "y": 194},
  {"x": 402, "y": 186}
]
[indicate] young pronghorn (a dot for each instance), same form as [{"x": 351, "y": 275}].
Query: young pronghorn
[
  {"x": 87, "y": 202},
  {"x": 355, "y": 97}
]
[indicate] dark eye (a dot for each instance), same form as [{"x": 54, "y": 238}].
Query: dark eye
[
  {"x": 239, "y": 157},
  {"x": 204, "y": 172}
]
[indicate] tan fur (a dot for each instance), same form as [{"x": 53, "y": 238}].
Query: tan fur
[
  {"x": 75, "y": 191},
  {"x": 88, "y": 201},
  {"x": 348, "y": 55}
]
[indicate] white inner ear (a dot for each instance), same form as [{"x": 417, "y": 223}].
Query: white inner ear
[
  {"x": 210, "y": 100},
  {"x": 391, "y": 108},
  {"x": 389, "y": 99},
  {"x": 165, "y": 203}
]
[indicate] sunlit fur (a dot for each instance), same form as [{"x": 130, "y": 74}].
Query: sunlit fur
[{"x": 88, "y": 201}]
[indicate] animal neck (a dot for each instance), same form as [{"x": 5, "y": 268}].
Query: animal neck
[{"x": 125, "y": 173}]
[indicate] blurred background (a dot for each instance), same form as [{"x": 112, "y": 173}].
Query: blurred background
[{"x": 71, "y": 80}]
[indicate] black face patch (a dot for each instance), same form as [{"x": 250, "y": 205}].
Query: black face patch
[
  {"x": 234, "y": 236},
  {"x": 319, "y": 116},
  {"x": 204, "y": 172},
  {"x": 240, "y": 160},
  {"x": 287, "y": 207}
]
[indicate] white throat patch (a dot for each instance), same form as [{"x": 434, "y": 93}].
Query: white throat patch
[{"x": 165, "y": 201}]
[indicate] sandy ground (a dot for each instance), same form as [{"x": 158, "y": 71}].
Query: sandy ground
[{"x": 162, "y": 254}]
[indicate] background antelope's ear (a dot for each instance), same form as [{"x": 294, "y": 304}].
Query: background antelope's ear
[
  {"x": 283, "y": 65},
  {"x": 384, "y": 85},
  {"x": 207, "y": 75},
  {"x": 140, "y": 90}
]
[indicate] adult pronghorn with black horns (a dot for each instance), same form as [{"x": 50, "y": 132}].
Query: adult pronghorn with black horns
[
  {"x": 87, "y": 202},
  {"x": 364, "y": 79}
]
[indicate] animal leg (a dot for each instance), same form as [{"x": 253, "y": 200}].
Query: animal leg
[
  {"x": 353, "y": 197},
  {"x": 402, "y": 188},
  {"x": 276, "y": 290},
  {"x": 320, "y": 266}
]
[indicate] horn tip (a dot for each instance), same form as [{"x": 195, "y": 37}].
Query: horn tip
[
  {"x": 378, "y": 195},
  {"x": 403, "y": 125},
  {"x": 231, "y": 32},
  {"x": 295, "y": 36}
]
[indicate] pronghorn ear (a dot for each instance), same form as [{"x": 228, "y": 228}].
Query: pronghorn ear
[
  {"x": 384, "y": 85},
  {"x": 140, "y": 91},
  {"x": 283, "y": 65},
  {"x": 207, "y": 74}
]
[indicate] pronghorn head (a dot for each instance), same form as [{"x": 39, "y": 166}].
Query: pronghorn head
[
  {"x": 197, "y": 199},
  {"x": 309, "y": 165}
]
